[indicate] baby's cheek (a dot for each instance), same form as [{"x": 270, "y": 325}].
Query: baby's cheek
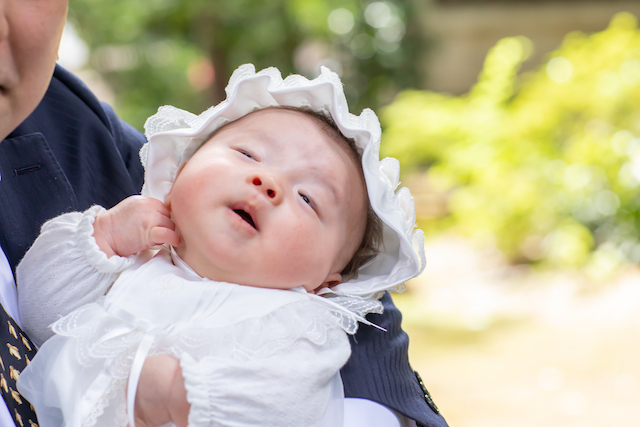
[
  {"x": 293, "y": 245},
  {"x": 298, "y": 255}
]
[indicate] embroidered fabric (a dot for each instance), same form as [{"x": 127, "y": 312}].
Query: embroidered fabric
[
  {"x": 112, "y": 399},
  {"x": 174, "y": 135},
  {"x": 99, "y": 334},
  {"x": 349, "y": 310},
  {"x": 100, "y": 341}
]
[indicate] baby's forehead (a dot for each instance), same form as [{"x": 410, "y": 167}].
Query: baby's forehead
[{"x": 320, "y": 120}]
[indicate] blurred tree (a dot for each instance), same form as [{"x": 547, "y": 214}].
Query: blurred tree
[
  {"x": 183, "y": 52},
  {"x": 545, "y": 165}
]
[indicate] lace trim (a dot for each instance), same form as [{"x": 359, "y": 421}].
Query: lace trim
[
  {"x": 115, "y": 390},
  {"x": 100, "y": 335}
]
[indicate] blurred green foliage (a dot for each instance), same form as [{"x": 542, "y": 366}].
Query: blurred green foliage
[
  {"x": 544, "y": 165},
  {"x": 183, "y": 52}
]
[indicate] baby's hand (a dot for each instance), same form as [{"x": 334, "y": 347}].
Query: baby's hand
[
  {"x": 161, "y": 396},
  {"x": 133, "y": 225}
]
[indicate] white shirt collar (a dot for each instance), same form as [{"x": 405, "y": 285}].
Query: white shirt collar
[{"x": 8, "y": 293}]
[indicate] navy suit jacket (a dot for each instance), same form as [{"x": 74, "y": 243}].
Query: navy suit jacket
[{"x": 74, "y": 152}]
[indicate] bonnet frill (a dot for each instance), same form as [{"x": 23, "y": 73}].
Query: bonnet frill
[{"x": 174, "y": 135}]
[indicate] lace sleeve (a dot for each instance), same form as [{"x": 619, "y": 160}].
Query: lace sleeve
[
  {"x": 63, "y": 270},
  {"x": 294, "y": 387}
]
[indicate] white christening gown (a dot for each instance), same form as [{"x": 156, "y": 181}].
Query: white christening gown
[{"x": 250, "y": 356}]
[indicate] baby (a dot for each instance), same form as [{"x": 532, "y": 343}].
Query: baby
[{"x": 280, "y": 228}]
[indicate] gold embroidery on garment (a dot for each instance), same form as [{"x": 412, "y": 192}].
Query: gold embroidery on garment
[
  {"x": 12, "y": 330},
  {"x": 16, "y": 396},
  {"x": 13, "y": 350},
  {"x": 3, "y": 383},
  {"x": 18, "y": 417},
  {"x": 14, "y": 373},
  {"x": 25, "y": 342},
  {"x": 27, "y": 359},
  {"x": 2, "y": 363},
  {"x": 32, "y": 424}
]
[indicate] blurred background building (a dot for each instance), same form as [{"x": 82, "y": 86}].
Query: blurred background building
[{"x": 463, "y": 31}]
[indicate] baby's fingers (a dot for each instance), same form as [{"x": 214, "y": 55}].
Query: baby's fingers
[
  {"x": 164, "y": 236},
  {"x": 162, "y": 221}
]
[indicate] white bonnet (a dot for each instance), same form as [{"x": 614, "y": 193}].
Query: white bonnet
[{"x": 174, "y": 135}]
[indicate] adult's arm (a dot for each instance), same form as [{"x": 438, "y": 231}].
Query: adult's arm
[
  {"x": 379, "y": 369},
  {"x": 72, "y": 152}
]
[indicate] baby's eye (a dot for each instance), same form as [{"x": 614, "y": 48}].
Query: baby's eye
[
  {"x": 246, "y": 154},
  {"x": 306, "y": 199}
]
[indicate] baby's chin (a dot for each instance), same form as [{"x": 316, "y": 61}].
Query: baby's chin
[{"x": 244, "y": 275}]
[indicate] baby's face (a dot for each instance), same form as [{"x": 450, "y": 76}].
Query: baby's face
[{"x": 270, "y": 201}]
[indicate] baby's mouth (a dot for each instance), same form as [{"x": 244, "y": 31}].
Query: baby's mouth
[{"x": 246, "y": 217}]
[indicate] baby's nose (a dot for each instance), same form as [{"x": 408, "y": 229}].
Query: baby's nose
[{"x": 268, "y": 186}]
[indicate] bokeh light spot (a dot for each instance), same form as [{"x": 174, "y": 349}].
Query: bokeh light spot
[
  {"x": 559, "y": 69},
  {"x": 341, "y": 21}
]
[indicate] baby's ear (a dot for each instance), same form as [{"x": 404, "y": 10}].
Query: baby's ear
[{"x": 333, "y": 279}]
